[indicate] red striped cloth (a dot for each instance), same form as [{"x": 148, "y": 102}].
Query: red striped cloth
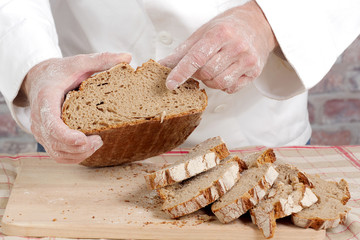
[{"x": 331, "y": 163}]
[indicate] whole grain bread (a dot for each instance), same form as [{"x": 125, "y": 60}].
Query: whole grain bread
[
  {"x": 290, "y": 193},
  {"x": 247, "y": 192},
  {"x": 201, "y": 158},
  {"x": 135, "y": 114},
  {"x": 330, "y": 210},
  {"x": 256, "y": 159},
  {"x": 199, "y": 191}
]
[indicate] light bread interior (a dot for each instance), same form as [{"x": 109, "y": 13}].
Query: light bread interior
[
  {"x": 122, "y": 95},
  {"x": 248, "y": 179},
  {"x": 188, "y": 189}
]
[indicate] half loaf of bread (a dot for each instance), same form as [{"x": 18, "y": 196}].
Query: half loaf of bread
[
  {"x": 135, "y": 114},
  {"x": 330, "y": 210},
  {"x": 199, "y": 191},
  {"x": 201, "y": 158}
]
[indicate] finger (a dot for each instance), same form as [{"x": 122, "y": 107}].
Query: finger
[
  {"x": 216, "y": 65},
  {"x": 229, "y": 79},
  {"x": 70, "y": 157},
  {"x": 197, "y": 57},
  {"x": 220, "y": 62},
  {"x": 59, "y": 146},
  {"x": 51, "y": 124},
  {"x": 87, "y": 65},
  {"x": 68, "y": 161},
  {"x": 64, "y": 157},
  {"x": 94, "y": 142},
  {"x": 172, "y": 60},
  {"x": 103, "y": 61},
  {"x": 242, "y": 82}
]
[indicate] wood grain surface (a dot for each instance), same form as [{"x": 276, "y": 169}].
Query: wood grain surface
[{"x": 50, "y": 199}]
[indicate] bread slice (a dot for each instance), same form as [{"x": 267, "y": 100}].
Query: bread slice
[
  {"x": 289, "y": 194},
  {"x": 135, "y": 114},
  {"x": 246, "y": 193},
  {"x": 256, "y": 159},
  {"x": 330, "y": 210},
  {"x": 201, "y": 158},
  {"x": 199, "y": 191}
]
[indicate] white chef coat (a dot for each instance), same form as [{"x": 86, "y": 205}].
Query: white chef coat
[{"x": 272, "y": 111}]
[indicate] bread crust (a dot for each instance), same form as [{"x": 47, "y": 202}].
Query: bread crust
[
  {"x": 325, "y": 223},
  {"x": 248, "y": 200},
  {"x": 318, "y": 223},
  {"x": 257, "y": 159},
  {"x": 185, "y": 170},
  {"x": 266, "y": 217},
  {"x": 142, "y": 138},
  {"x": 205, "y": 196}
]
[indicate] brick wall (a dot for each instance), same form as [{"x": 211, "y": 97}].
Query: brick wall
[
  {"x": 334, "y": 103},
  {"x": 334, "y": 109}
]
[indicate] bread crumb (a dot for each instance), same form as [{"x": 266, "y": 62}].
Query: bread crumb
[
  {"x": 162, "y": 116},
  {"x": 54, "y": 220}
]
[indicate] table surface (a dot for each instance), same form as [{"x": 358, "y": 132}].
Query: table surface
[{"x": 331, "y": 163}]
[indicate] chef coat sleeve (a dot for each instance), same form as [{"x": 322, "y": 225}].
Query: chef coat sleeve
[
  {"x": 27, "y": 37},
  {"x": 312, "y": 35}
]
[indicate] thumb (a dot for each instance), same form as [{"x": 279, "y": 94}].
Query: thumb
[
  {"x": 89, "y": 64},
  {"x": 98, "y": 62}
]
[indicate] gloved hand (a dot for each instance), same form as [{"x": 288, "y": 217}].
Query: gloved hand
[
  {"x": 226, "y": 53},
  {"x": 45, "y": 86}
]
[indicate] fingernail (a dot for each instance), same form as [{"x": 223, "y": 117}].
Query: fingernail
[
  {"x": 171, "y": 84},
  {"x": 97, "y": 144}
]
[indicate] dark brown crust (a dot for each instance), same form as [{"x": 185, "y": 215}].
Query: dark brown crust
[
  {"x": 221, "y": 151},
  {"x": 345, "y": 186},
  {"x": 242, "y": 164},
  {"x": 268, "y": 156},
  {"x": 143, "y": 140}
]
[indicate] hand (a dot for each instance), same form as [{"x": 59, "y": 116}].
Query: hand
[
  {"x": 226, "y": 53},
  {"x": 46, "y": 85}
]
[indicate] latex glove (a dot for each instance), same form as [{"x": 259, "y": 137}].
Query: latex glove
[
  {"x": 226, "y": 53},
  {"x": 46, "y": 85}
]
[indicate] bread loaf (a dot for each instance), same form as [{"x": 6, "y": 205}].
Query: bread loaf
[
  {"x": 201, "y": 158},
  {"x": 201, "y": 190},
  {"x": 330, "y": 210},
  {"x": 135, "y": 114}
]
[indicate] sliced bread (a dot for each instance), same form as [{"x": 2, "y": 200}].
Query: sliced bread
[
  {"x": 247, "y": 192},
  {"x": 135, "y": 114},
  {"x": 290, "y": 193},
  {"x": 256, "y": 159},
  {"x": 197, "y": 192},
  {"x": 201, "y": 158},
  {"x": 330, "y": 210}
]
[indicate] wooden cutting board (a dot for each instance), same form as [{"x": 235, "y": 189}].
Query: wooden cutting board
[{"x": 57, "y": 200}]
